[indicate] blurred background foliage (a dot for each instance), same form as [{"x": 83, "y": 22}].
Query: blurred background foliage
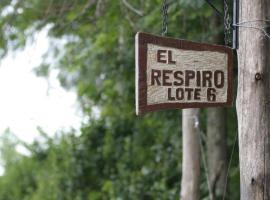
[{"x": 116, "y": 155}]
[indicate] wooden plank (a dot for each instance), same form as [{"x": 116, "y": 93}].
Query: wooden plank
[{"x": 172, "y": 73}]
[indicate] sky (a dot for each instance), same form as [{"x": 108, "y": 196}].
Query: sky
[{"x": 27, "y": 101}]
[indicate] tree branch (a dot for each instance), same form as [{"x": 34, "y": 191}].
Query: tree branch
[{"x": 138, "y": 12}]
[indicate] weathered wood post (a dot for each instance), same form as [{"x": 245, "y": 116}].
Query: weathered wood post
[
  {"x": 190, "y": 184},
  {"x": 253, "y": 101}
]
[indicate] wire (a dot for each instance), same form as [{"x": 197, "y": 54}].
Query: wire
[
  {"x": 215, "y": 9},
  {"x": 256, "y": 20},
  {"x": 200, "y": 133},
  {"x": 230, "y": 162},
  {"x": 257, "y": 28},
  {"x": 260, "y": 28},
  {"x": 226, "y": 19}
]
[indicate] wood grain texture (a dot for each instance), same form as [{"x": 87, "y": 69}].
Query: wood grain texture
[
  {"x": 190, "y": 182},
  {"x": 253, "y": 103},
  {"x": 150, "y": 99}
]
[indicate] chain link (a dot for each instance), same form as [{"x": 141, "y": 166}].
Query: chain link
[
  {"x": 227, "y": 24},
  {"x": 165, "y": 18}
]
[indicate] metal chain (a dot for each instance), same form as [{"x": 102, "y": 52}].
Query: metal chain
[
  {"x": 165, "y": 18},
  {"x": 227, "y": 24}
]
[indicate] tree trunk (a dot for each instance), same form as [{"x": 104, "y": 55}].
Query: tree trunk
[
  {"x": 217, "y": 150},
  {"x": 191, "y": 156},
  {"x": 253, "y": 102}
]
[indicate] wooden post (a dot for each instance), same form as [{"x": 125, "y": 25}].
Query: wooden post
[
  {"x": 191, "y": 156},
  {"x": 253, "y": 101}
]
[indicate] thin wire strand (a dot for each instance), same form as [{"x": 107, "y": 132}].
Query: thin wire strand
[
  {"x": 262, "y": 29},
  {"x": 256, "y": 20},
  {"x": 214, "y": 8},
  {"x": 200, "y": 133},
  {"x": 230, "y": 162},
  {"x": 226, "y": 19}
]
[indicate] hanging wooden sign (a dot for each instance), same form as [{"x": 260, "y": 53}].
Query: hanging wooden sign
[{"x": 172, "y": 73}]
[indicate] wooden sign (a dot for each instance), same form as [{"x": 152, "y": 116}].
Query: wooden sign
[{"x": 172, "y": 73}]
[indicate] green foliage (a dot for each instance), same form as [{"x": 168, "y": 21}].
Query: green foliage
[{"x": 117, "y": 155}]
